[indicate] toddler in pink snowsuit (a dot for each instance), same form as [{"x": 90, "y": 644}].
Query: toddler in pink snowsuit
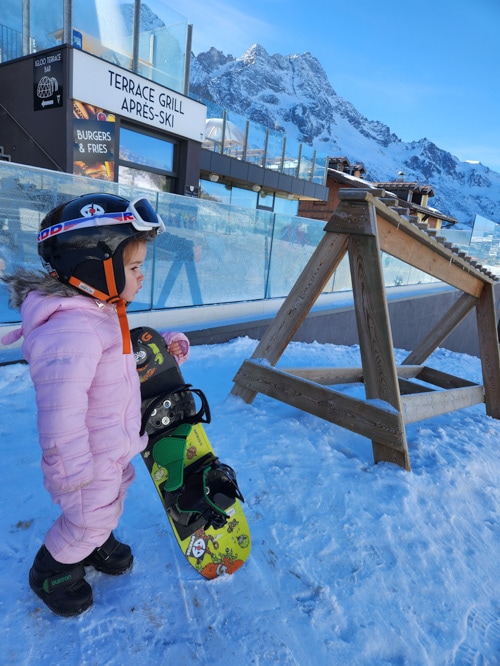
[{"x": 77, "y": 343}]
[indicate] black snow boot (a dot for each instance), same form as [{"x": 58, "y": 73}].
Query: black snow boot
[
  {"x": 112, "y": 557},
  {"x": 62, "y": 587}
]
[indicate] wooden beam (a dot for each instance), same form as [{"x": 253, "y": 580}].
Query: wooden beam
[
  {"x": 354, "y": 216},
  {"x": 377, "y": 422},
  {"x": 332, "y": 376},
  {"x": 424, "y": 257},
  {"x": 327, "y": 376},
  {"x": 372, "y": 317},
  {"x": 407, "y": 387},
  {"x": 408, "y": 371},
  {"x": 443, "y": 379},
  {"x": 374, "y": 332},
  {"x": 488, "y": 346},
  {"x": 448, "y": 322},
  {"x": 421, "y": 406}
]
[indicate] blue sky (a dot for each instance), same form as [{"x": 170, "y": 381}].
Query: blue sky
[{"x": 426, "y": 69}]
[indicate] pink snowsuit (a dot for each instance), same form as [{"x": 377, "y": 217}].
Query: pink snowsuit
[{"x": 88, "y": 399}]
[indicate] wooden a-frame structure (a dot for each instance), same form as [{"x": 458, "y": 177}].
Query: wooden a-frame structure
[{"x": 364, "y": 223}]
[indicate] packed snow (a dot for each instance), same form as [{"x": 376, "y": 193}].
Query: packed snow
[{"x": 352, "y": 563}]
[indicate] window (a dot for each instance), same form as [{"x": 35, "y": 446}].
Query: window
[
  {"x": 215, "y": 191},
  {"x": 243, "y": 197},
  {"x": 265, "y": 200},
  {"x": 147, "y": 161},
  {"x": 144, "y": 178}
]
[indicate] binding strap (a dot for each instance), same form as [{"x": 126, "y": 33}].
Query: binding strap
[
  {"x": 172, "y": 408},
  {"x": 207, "y": 493}
]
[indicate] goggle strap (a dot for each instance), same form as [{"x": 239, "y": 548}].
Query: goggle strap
[{"x": 148, "y": 221}]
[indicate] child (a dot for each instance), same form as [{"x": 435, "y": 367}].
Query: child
[{"x": 77, "y": 343}]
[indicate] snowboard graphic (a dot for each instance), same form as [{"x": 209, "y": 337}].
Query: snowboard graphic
[{"x": 199, "y": 493}]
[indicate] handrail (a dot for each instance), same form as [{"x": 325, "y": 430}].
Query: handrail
[{"x": 30, "y": 136}]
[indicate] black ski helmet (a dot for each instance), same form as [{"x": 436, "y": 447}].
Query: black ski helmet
[{"x": 81, "y": 242}]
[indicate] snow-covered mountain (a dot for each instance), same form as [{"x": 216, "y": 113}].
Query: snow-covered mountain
[{"x": 292, "y": 93}]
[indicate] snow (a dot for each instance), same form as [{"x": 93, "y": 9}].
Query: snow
[{"x": 352, "y": 563}]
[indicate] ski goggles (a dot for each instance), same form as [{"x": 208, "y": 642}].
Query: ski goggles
[
  {"x": 139, "y": 213},
  {"x": 145, "y": 216}
]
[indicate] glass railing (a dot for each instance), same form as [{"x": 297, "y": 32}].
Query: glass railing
[
  {"x": 11, "y": 44},
  {"x": 211, "y": 253},
  {"x": 161, "y": 31},
  {"x": 482, "y": 242},
  {"x": 231, "y": 134}
]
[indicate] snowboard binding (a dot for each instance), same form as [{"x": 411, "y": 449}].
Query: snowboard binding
[
  {"x": 207, "y": 492},
  {"x": 199, "y": 495},
  {"x": 167, "y": 401},
  {"x": 172, "y": 408}
]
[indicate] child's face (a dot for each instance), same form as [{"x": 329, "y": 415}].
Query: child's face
[{"x": 133, "y": 260}]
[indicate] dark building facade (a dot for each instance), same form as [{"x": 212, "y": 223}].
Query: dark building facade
[{"x": 67, "y": 110}]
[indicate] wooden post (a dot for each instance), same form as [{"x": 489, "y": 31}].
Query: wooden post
[
  {"x": 375, "y": 337},
  {"x": 488, "y": 346}
]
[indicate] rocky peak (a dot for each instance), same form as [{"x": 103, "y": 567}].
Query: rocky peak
[{"x": 293, "y": 93}]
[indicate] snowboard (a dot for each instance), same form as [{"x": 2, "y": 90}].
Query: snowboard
[{"x": 199, "y": 493}]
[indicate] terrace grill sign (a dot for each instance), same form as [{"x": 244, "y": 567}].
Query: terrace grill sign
[{"x": 119, "y": 91}]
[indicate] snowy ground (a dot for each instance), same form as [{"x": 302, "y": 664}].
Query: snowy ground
[{"x": 352, "y": 563}]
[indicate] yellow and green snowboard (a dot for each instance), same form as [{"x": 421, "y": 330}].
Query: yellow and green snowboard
[{"x": 199, "y": 493}]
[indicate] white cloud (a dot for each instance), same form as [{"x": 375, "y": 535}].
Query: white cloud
[{"x": 224, "y": 26}]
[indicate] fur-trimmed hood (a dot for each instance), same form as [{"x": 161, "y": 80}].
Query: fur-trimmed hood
[
  {"x": 24, "y": 281},
  {"x": 39, "y": 296}
]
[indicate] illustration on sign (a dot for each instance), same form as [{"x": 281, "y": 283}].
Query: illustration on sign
[
  {"x": 48, "y": 81},
  {"x": 93, "y": 141}
]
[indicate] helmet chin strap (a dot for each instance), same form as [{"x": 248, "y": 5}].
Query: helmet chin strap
[
  {"x": 121, "y": 309},
  {"x": 121, "y": 305},
  {"x": 111, "y": 297}
]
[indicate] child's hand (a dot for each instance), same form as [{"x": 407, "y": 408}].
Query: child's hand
[
  {"x": 175, "y": 349},
  {"x": 177, "y": 345}
]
